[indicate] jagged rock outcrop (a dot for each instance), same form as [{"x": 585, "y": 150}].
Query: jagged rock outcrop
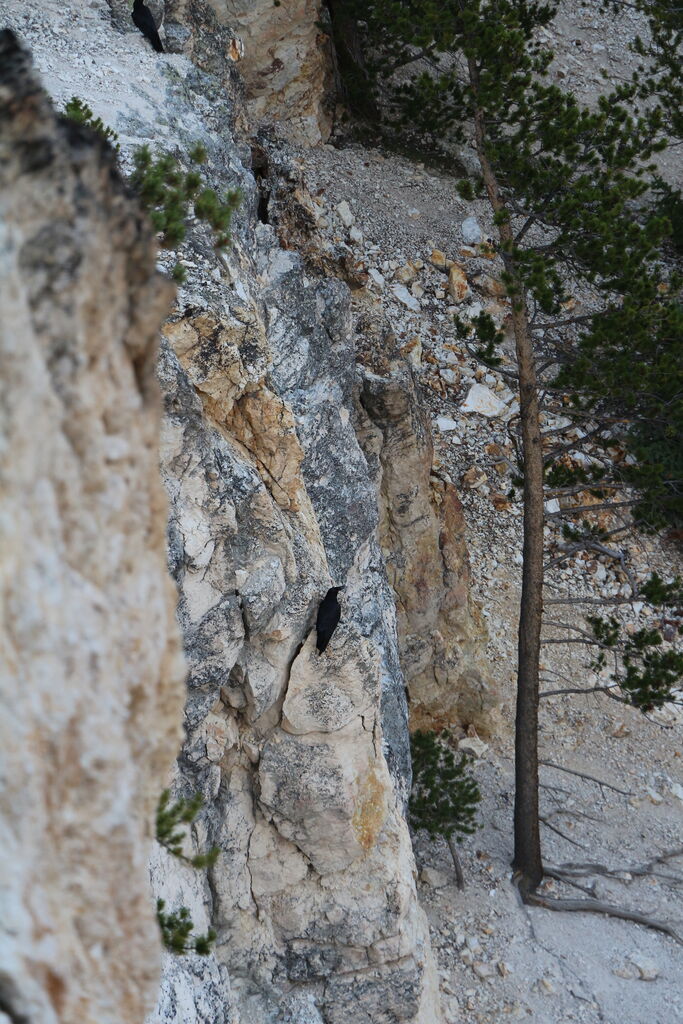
[
  {"x": 91, "y": 672},
  {"x": 422, "y": 534},
  {"x": 283, "y": 55},
  {"x": 285, "y": 60},
  {"x": 303, "y": 758}
]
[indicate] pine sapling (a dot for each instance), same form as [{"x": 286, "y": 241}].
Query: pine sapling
[
  {"x": 177, "y": 927},
  {"x": 444, "y": 797}
]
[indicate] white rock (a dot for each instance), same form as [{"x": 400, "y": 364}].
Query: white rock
[
  {"x": 481, "y": 400},
  {"x": 647, "y": 969},
  {"x": 472, "y": 745},
  {"x": 552, "y": 505},
  {"x": 435, "y": 879},
  {"x": 677, "y": 790},
  {"x": 355, "y": 235},
  {"x": 471, "y": 232},
  {"x": 345, "y": 216},
  {"x": 445, "y": 423},
  {"x": 404, "y": 296},
  {"x": 376, "y": 278},
  {"x": 451, "y": 1009}
]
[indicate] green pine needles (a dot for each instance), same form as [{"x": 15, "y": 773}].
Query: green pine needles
[
  {"x": 171, "y": 195},
  {"x": 444, "y": 797},
  {"x": 644, "y": 674},
  {"x": 78, "y": 111},
  {"x": 177, "y": 928},
  {"x": 167, "y": 191},
  {"x": 177, "y": 932},
  {"x": 169, "y": 817}
]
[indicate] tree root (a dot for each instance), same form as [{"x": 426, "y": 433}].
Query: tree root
[
  {"x": 560, "y": 877},
  {"x": 573, "y": 869},
  {"x": 591, "y": 906}
]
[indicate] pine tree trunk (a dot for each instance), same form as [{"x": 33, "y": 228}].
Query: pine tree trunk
[
  {"x": 352, "y": 79},
  {"x": 527, "y": 857}
]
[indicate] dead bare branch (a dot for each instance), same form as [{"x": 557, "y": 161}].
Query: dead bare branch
[
  {"x": 584, "y": 775},
  {"x": 559, "y": 832}
]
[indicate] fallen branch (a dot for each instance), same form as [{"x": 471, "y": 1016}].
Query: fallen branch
[
  {"x": 570, "y": 812},
  {"x": 559, "y": 832},
  {"x": 575, "y": 869},
  {"x": 582, "y": 692},
  {"x": 583, "y": 775}
]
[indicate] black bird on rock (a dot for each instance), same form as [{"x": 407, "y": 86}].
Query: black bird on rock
[
  {"x": 144, "y": 20},
  {"x": 329, "y": 614}
]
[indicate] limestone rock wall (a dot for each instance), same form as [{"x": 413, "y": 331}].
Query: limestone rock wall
[
  {"x": 283, "y": 57},
  {"x": 90, "y": 666},
  {"x": 303, "y": 758},
  {"x": 286, "y": 62},
  {"x": 441, "y": 635}
]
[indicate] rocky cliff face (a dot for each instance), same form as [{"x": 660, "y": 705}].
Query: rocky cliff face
[
  {"x": 422, "y": 529},
  {"x": 91, "y": 678},
  {"x": 288, "y": 471},
  {"x": 286, "y": 63},
  {"x": 303, "y": 758}
]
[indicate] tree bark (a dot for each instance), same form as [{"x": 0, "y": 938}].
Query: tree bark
[
  {"x": 527, "y": 856},
  {"x": 352, "y": 79}
]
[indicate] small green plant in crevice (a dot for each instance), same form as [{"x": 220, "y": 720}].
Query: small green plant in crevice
[
  {"x": 167, "y": 191},
  {"x": 169, "y": 194},
  {"x": 177, "y": 932},
  {"x": 177, "y": 928},
  {"x": 78, "y": 111},
  {"x": 445, "y": 796}
]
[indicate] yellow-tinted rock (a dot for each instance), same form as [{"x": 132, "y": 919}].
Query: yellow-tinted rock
[{"x": 458, "y": 288}]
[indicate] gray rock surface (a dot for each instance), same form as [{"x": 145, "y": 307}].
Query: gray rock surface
[
  {"x": 302, "y": 758},
  {"x": 90, "y": 667}
]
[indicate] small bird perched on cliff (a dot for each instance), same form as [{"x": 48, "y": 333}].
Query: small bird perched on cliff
[
  {"x": 329, "y": 614},
  {"x": 144, "y": 20}
]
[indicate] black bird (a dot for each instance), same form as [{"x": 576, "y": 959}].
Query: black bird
[
  {"x": 329, "y": 614},
  {"x": 144, "y": 20}
]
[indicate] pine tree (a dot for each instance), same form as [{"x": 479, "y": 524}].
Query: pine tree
[
  {"x": 568, "y": 188},
  {"x": 171, "y": 195},
  {"x": 444, "y": 796}
]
